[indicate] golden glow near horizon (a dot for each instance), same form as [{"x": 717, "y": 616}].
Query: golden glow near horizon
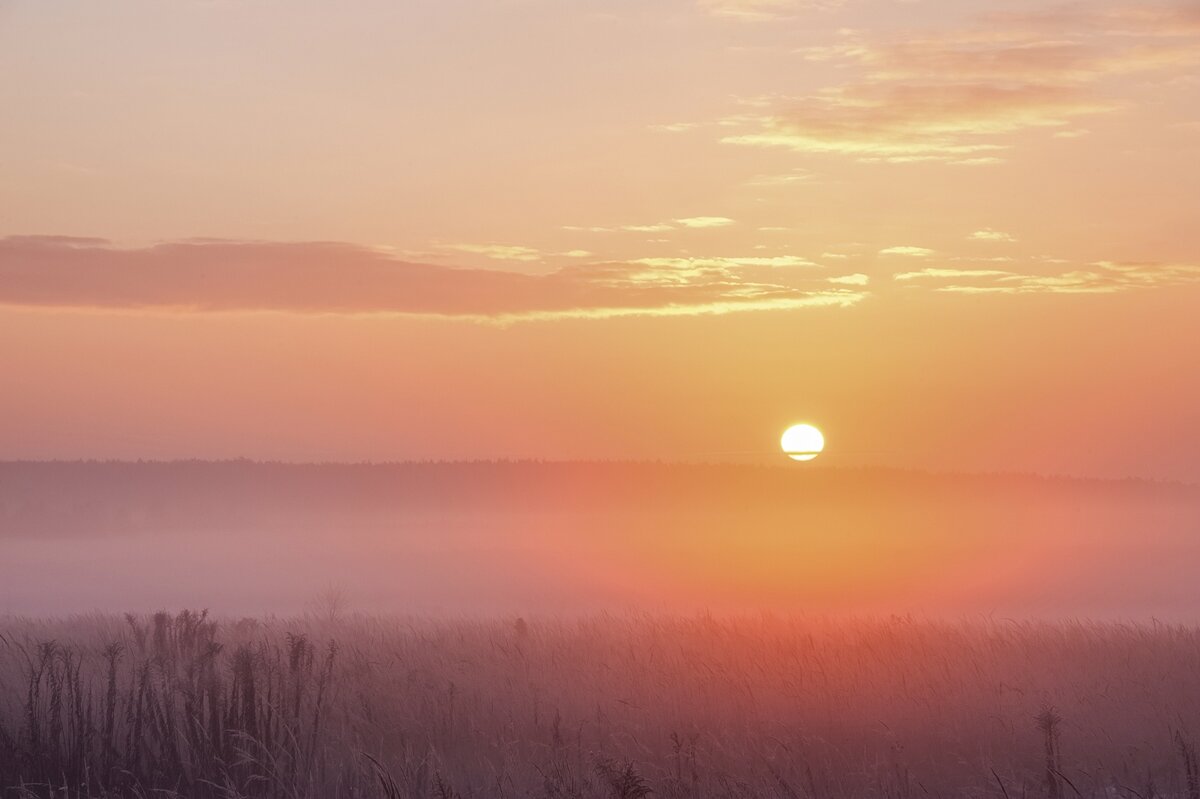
[{"x": 802, "y": 442}]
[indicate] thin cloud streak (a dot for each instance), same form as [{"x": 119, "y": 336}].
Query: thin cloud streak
[
  {"x": 988, "y": 234},
  {"x": 335, "y": 278},
  {"x": 764, "y": 10},
  {"x": 1102, "y": 277},
  {"x": 907, "y": 251},
  {"x": 690, "y": 222}
]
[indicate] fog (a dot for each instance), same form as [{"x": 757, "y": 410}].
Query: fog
[{"x": 242, "y": 538}]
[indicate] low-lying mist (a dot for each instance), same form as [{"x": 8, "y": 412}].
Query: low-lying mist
[{"x": 562, "y": 538}]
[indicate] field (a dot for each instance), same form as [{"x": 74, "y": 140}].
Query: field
[{"x": 335, "y": 705}]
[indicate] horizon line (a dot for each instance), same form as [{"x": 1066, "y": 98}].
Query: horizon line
[{"x": 641, "y": 462}]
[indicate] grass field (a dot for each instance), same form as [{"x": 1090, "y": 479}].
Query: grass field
[{"x": 334, "y": 705}]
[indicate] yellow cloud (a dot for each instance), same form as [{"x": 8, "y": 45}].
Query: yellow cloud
[
  {"x": 660, "y": 227},
  {"x": 1103, "y": 277},
  {"x": 706, "y": 221},
  {"x": 830, "y": 299},
  {"x": 987, "y": 234},
  {"x": 726, "y": 263},
  {"x": 949, "y": 273},
  {"x": 499, "y": 252},
  {"x": 511, "y": 252},
  {"x": 911, "y": 252},
  {"x": 657, "y": 227}
]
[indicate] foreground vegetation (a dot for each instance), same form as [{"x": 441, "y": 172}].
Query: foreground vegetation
[{"x": 185, "y": 705}]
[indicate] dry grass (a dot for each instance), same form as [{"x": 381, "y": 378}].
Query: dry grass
[{"x": 595, "y": 707}]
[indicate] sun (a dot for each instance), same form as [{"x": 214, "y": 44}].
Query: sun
[{"x": 802, "y": 442}]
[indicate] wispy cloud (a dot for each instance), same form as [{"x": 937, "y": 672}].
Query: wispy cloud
[
  {"x": 761, "y": 10},
  {"x": 911, "y": 123},
  {"x": 1102, "y": 277},
  {"x": 973, "y": 57},
  {"x": 955, "y": 96},
  {"x": 987, "y": 234},
  {"x": 660, "y": 227},
  {"x": 334, "y": 278},
  {"x": 499, "y": 252},
  {"x": 1162, "y": 19},
  {"x": 792, "y": 178},
  {"x": 942, "y": 274},
  {"x": 512, "y": 252},
  {"x": 689, "y": 222},
  {"x": 907, "y": 251},
  {"x": 728, "y": 263},
  {"x": 706, "y": 221},
  {"x": 856, "y": 279}
]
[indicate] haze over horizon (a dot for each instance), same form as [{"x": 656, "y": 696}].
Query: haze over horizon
[
  {"x": 554, "y": 538},
  {"x": 757, "y": 460}
]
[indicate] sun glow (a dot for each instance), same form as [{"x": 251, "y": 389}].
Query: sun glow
[{"x": 802, "y": 442}]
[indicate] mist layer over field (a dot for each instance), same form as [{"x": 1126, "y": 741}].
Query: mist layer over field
[{"x": 563, "y": 538}]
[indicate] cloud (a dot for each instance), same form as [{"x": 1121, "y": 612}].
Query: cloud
[
  {"x": 335, "y": 278},
  {"x": 727, "y": 263},
  {"x": 510, "y": 252},
  {"x": 987, "y": 160},
  {"x": 760, "y": 10},
  {"x": 1102, "y": 277},
  {"x": 791, "y": 178},
  {"x": 706, "y": 221},
  {"x": 499, "y": 252},
  {"x": 201, "y": 276},
  {"x": 905, "y": 123},
  {"x": 1167, "y": 20},
  {"x": 987, "y": 234},
  {"x": 857, "y": 279},
  {"x": 948, "y": 273},
  {"x": 660, "y": 227},
  {"x": 954, "y": 96},
  {"x": 970, "y": 57},
  {"x": 692, "y": 222},
  {"x": 911, "y": 252}
]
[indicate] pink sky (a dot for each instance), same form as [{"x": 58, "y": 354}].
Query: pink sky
[{"x": 953, "y": 235}]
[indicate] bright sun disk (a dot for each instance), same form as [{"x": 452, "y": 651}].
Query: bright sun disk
[{"x": 802, "y": 442}]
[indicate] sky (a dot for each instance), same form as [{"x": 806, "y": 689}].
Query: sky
[{"x": 956, "y": 236}]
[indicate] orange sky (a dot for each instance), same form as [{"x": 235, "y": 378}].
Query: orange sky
[{"x": 954, "y": 235}]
